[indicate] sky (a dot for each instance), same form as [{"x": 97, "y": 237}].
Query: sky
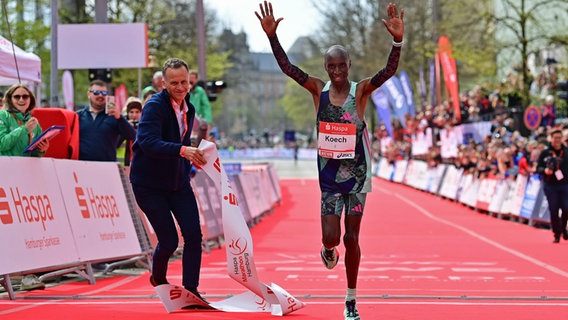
[{"x": 300, "y": 19}]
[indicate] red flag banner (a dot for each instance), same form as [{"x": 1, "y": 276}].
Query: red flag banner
[{"x": 450, "y": 73}]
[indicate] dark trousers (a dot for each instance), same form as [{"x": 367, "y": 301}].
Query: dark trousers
[
  {"x": 557, "y": 197},
  {"x": 158, "y": 206}
]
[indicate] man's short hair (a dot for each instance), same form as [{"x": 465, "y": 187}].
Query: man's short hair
[
  {"x": 97, "y": 82},
  {"x": 174, "y": 63}
]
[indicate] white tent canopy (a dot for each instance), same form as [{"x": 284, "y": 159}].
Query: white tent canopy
[{"x": 29, "y": 65}]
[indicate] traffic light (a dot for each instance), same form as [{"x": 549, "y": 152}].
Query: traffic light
[
  {"x": 562, "y": 90},
  {"x": 100, "y": 74}
]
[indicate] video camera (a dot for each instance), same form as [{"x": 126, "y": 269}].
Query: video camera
[{"x": 552, "y": 162}]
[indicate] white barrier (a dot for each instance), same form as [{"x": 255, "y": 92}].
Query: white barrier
[
  {"x": 34, "y": 227},
  {"x": 520, "y": 198},
  {"x": 97, "y": 210},
  {"x": 57, "y": 213}
]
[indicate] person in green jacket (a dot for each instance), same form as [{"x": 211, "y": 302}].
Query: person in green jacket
[{"x": 17, "y": 126}]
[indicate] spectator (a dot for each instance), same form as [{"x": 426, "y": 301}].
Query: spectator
[
  {"x": 553, "y": 167},
  {"x": 156, "y": 85},
  {"x": 100, "y": 130},
  {"x": 133, "y": 111},
  {"x": 158, "y": 81},
  {"x": 17, "y": 126},
  {"x": 548, "y": 112},
  {"x": 199, "y": 98},
  {"x": 147, "y": 95}
]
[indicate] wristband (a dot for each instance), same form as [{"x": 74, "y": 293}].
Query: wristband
[
  {"x": 182, "y": 151},
  {"x": 397, "y": 44}
]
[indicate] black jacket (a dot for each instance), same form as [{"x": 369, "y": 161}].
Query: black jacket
[{"x": 546, "y": 157}]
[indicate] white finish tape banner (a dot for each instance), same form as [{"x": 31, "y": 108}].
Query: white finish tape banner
[{"x": 239, "y": 249}]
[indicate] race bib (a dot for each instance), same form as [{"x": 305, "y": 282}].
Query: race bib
[{"x": 337, "y": 140}]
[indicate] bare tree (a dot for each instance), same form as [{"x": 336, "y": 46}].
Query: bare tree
[{"x": 523, "y": 27}]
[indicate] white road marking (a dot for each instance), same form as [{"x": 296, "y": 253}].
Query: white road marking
[{"x": 495, "y": 244}]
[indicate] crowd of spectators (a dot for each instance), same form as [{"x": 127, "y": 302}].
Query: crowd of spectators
[{"x": 504, "y": 152}]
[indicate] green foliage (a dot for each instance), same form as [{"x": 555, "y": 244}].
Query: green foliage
[
  {"x": 171, "y": 33},
  {"x": 299, "y": 106}
]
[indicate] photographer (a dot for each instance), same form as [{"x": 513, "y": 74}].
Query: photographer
[{"x": 553, "y": 167}]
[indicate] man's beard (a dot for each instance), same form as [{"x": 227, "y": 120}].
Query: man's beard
[{"x": 98, "y": 105}]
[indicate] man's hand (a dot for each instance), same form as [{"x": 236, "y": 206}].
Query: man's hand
[
  {"x": 113, "y": 112},
  {"x": 395, "y": 25},
  {"x": 195, "y": 156},
  {"x": 269, "y": 24}
]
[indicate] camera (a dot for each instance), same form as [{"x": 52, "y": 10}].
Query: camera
[{"x": 552, "y": 162}]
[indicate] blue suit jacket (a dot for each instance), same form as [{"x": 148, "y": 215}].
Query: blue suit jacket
[{"x": 156, "y": 162}]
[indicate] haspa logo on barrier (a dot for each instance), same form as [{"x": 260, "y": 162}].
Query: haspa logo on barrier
[
  {"x": 94, "y": 205},
  {"x": 28, "y": 208},
  {"x": 241, "y": 262}
]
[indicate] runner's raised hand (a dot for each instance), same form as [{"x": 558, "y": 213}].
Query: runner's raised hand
[{"x": 269, "y": 24}]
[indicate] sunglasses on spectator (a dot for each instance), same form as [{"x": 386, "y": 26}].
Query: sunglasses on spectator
[
  {"x": 98, "y": 92},
  {"x": 21, "y": 96}
]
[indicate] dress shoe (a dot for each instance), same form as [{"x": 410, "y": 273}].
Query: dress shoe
[
  {"x": 556, "y": 239},
  {"x": 565, "y": 235},
  {"x": 156, "y": 283}
]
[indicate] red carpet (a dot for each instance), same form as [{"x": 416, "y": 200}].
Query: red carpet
[{"x": 423, "y": 258}]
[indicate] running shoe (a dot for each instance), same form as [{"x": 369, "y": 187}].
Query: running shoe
[
  {"x": 329, "y": 257},
  {"x": 351, "y": 312}
]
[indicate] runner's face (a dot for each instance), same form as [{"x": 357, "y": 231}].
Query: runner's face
[
  {"x": 176, "y": 82},
  {"x": 337, "y": 68}
]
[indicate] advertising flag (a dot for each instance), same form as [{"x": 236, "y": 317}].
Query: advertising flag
[
  {"x": 381, "y": 102},
  {"x": 396, "y": 98},
  {"x": 408, "y": 93},
  {"x": 422, "y": 89},
  {"x": 450, "y": 73},
  {"x": 433, "y": 101}
]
